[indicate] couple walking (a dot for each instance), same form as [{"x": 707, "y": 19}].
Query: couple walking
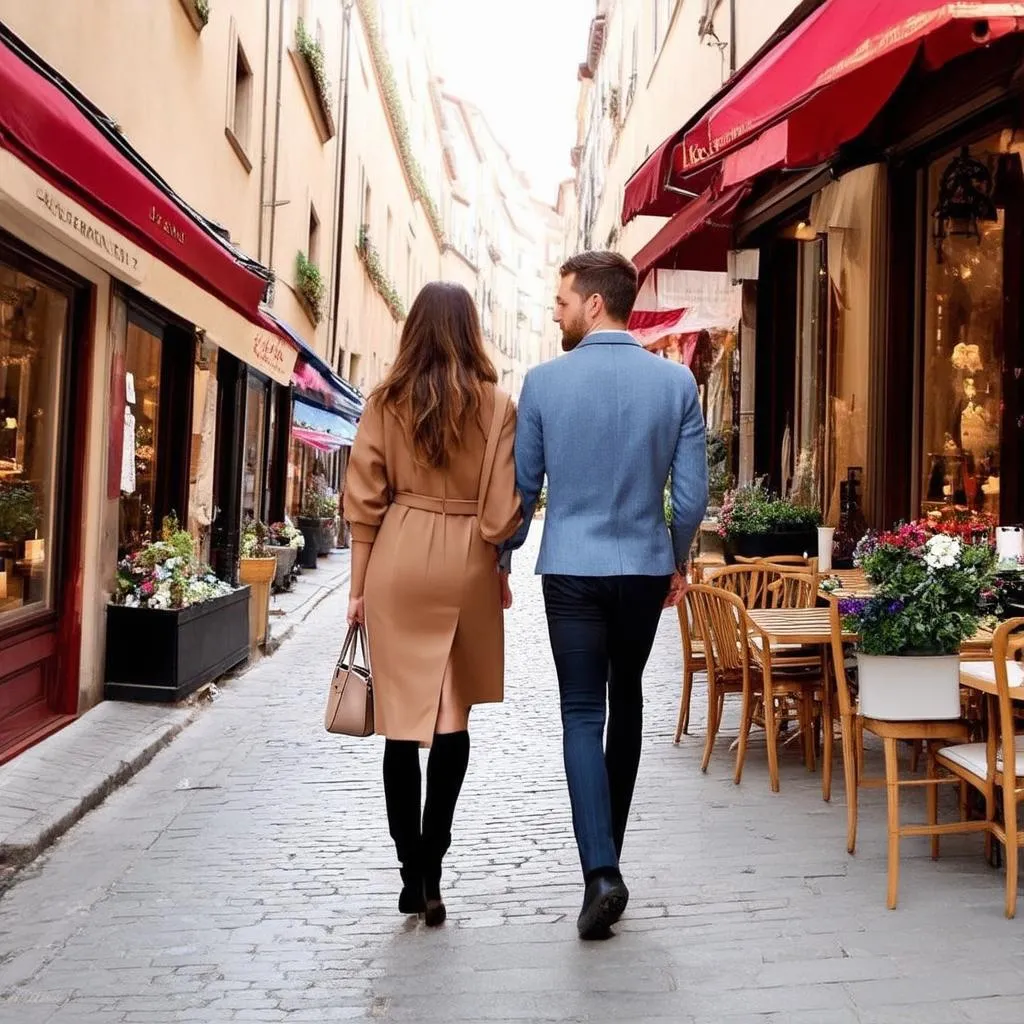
[{"x": 441, "y": 489}]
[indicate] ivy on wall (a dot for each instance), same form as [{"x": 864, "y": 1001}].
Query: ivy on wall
[
  {"x": 396, "y": 113},
  {"x": 378, "y": 275},
  {"x": 313, "y": 54},
  {"x": 310, "y": 284}
]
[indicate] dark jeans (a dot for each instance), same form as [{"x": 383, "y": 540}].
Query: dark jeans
[{"x": 602, "y": 630}]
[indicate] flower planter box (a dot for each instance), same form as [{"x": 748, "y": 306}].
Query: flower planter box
[
  {"x": 286, "y": 557},
  {"x": 771, "y": 545},
  {"x": 906, "y": 689},
  {"x": 258, "y": 574},
  {"x": 165, "y": 655}
]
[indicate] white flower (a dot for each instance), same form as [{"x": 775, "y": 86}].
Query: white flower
[{"x": 942, "y": 552}]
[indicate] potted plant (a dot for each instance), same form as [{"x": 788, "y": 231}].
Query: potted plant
[
  {"x": 284, "y": 543},
  {"x": 720, "y": 480},
  {"x": 928, "y": 588},
  {"x": 756, "y": 524},
  {"x": 257, "y": 568},
  {"x": 328, "y": 524},
  {"x": 172, "y": 625},
  {"x": 310, "y": 522},
  {"x": 19, "y": 515}
]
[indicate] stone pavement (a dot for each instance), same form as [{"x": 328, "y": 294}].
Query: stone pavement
[
  {"x": 246, "y": 875},
  {"x": 49, "y": 787}
]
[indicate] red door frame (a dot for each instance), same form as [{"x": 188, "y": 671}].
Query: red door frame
[{"x": 64, "y": 621}]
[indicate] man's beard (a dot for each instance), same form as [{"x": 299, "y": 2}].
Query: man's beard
[{"x": 573, "y": 334}]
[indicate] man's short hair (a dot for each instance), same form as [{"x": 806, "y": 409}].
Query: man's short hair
[{"x": 608, "y": 274}]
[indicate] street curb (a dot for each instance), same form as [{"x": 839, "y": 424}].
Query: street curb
[
  {"x": 25, "y": 844},
  {"x": 16, "y": 854}
]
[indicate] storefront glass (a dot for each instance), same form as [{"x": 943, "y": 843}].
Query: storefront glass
[
  {"x": 963, "y": 342},
  {"x": 201, "y": 458},
  {"x": 143, "y": 351},
  {"x": 33, "y": 323},
  {"x": 255, "y": 442}
]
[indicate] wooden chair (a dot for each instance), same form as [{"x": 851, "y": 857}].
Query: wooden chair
[
  {"x": 854, "y": 725},
  {"x": 748, "y": 582},
  {"x": 987, "y": 766},
  {"x": 720, "y": 617},
  {"x": 694, "y": 660}
]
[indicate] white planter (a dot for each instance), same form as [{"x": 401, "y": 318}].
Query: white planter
[
  {"x": 906, "y": 689},
  {"x": 826, "y": 538}
]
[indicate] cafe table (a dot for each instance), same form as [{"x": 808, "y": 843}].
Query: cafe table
[{"x": 779, "y": 627}]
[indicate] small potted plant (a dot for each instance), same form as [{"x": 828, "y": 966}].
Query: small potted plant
[
  {"x": 172, "y": 625},
  {"x": 928, "y": 591},
  {"x": 756, "y": 524},
  {"x": 257, "y": 568},
  {"x": 285, "y": 543},
  {"x": 328, "y": 524},
  {"x": 310, "y": 522}
]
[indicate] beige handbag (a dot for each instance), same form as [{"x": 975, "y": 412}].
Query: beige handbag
[{"x": 350, "y": 701}]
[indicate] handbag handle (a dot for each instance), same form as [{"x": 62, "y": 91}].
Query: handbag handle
[{"x": 356, "y": 636}]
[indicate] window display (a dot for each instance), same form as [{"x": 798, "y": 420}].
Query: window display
[
  {"x": 33, "y": 323},
  {"x": 962, "y": 389}
]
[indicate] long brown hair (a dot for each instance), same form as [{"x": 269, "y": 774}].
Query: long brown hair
[{"x": 436, "y": 381}]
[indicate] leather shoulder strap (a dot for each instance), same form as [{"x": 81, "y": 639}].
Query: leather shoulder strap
[{"x": 501, "y": 401}]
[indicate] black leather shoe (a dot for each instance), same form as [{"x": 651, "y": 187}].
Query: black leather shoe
[
  {"x": 603, "y": 903},
  {"x": 410, "y": 900}
]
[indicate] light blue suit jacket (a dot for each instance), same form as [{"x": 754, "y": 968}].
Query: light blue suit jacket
[{"x": 606, "y": 424}]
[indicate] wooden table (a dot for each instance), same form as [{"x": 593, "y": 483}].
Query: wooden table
[{"x": 813, "y": 627}]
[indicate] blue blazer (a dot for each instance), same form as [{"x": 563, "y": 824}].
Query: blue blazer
[{"x": 606, "y": 424}]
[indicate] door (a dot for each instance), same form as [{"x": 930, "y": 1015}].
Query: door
[{"x": 43, "y": 394}]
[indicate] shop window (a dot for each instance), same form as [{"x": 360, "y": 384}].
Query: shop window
[
  {"x": 138, "y": 512},
  {"x": 201, "y": 458},
  {"x": 254, "y": 448},
  {"x": 33, "y": 322},
  {"x": 808, "y": 425},
  {"x": 962, "y": 356}
]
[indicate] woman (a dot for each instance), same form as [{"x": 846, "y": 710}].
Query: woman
[{"x": 428, "y": 499}]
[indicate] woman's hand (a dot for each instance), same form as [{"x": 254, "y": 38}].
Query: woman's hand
[
  {"x": 506, "y": 591},
  {"x": 356, "y": 611}
]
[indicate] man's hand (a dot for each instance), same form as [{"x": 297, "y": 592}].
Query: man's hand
[
  {"x": 356, "y": 611},
  {"x": 676, "y": 590},
  {"x": 506, "y": 591}
]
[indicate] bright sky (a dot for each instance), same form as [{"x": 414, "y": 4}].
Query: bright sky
[{"x": 517, "y": 62}]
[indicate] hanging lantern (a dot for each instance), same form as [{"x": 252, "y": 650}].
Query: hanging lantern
[{"x": 965, "y": 199}]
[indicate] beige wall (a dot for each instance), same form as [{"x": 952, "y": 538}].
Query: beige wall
[{"x": 672, "y": 76}]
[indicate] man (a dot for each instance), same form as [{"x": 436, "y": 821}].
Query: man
[{"x": 607, "y": 425}]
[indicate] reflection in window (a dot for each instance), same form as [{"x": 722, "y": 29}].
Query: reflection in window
[
  {"x": 252, "y": 464},
  {"x": 33, "y": 321},
  {"x": 141, "y": 422},
  {"x": 962, "y": 355}
]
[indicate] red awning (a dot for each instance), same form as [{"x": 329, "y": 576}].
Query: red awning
[
  {"x": 831, "y": 76},
  {"x": 44, "y": 128},
  {"x": 317, "y": 439},
  {"x": 697, "y": 238},
  {"x": 649, "y": 325},
  {"x": 645, "y": 190}
]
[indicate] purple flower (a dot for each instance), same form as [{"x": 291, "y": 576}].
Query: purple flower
[
  {"x": 894, "y": 607},
  {"x": 851, "y": 605}
]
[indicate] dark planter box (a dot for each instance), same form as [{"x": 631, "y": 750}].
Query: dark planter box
[
  {"x": 163, "y": 656},
  {"x": 771, "y": 545},
  {"x": 312, "y": 535}
]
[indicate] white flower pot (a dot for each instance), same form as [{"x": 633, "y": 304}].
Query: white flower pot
[{"x": 906, "y": 689}]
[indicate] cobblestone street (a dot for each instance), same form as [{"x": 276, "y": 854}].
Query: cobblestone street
[{"x": 247, "y": 875}]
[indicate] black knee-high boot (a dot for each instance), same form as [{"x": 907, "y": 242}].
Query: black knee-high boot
[
  {"x": 402, "y": 792},
  {"x": 446, "y": 769}
]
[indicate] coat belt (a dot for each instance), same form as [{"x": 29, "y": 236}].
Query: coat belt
[{"x": 439, "y": 506}]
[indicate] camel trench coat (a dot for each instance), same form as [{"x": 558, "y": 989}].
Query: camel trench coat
[{"x": 432, "y": 595}]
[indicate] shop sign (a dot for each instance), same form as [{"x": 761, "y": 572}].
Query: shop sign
[
  {"x": 69, "y": 221},
  {"x": 272, "y": 355}
]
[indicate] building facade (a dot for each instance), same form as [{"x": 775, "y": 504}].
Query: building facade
[{"x": 857, "y": 183}]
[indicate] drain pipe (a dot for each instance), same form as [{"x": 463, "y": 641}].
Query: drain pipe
[
  {"x": 339, "y": 220},
  {"x": 277, "y": 134},
  {"x": 263, "y": 131},
  {"x": 732, "y": 37}
]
